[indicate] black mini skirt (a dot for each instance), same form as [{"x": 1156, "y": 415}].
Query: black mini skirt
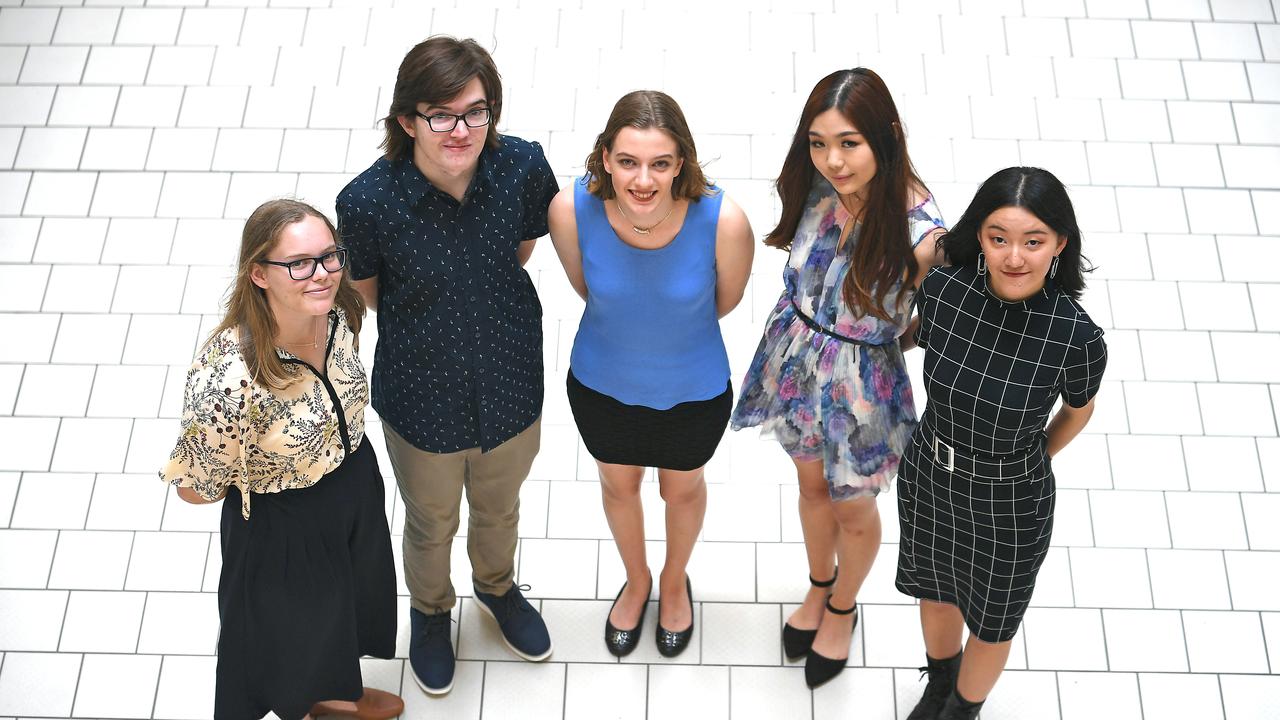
[{"x": 683, "y": 437}]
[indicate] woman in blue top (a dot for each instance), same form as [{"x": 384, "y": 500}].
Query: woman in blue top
[{"x": 659, "y": 254}]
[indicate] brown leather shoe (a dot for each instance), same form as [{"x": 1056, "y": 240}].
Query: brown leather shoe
[{"x": 373, "y": 705}]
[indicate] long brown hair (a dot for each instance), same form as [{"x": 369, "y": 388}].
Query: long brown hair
[
  {"x": 434, "y": 72},
  {"x": 882, "y": 257},
  {"x": 642, "y": 110},
  {"x": 247, "y": 307}
]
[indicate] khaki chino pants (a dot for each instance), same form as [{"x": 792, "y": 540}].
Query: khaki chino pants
[{"x": 432, "y": 484}]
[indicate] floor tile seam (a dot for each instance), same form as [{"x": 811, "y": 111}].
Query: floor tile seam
[{"x": 780, "y": 664}]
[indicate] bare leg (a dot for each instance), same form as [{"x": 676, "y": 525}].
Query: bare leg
[
  {"x": 857, "y": 542},
  {"x": 620, "y": 490},
  {"x": 685, "y": 493},
  {"x": 983, "y": 662},
  {"x": 818, "y": 524},
  {"x": 943, "y": 627},
  {"x": 981, "y": 667}
]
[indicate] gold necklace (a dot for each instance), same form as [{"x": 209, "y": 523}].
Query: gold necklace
[
  {"x": 636, "y": 228},
  {"x": 315, "y": 338}
]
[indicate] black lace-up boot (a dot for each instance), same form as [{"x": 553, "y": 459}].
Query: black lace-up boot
[{"x": 942, "y": 681}]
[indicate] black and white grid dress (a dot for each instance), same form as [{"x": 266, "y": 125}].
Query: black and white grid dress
[{"x": 976, "y": 488}]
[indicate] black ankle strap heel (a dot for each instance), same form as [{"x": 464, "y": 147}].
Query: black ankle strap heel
[
  {"x": 837, "y": 611},
  {"x": 825, "y": 583}
]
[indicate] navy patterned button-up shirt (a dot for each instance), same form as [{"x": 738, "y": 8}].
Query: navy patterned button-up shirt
[{"x": 459, "y": 357}]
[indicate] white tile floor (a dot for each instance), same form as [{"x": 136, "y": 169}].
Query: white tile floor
[{"x": 134, "y": 140}]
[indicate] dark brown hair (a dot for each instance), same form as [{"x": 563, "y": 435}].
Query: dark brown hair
[
  {"x": 247, "y": 307},
  {"x": 434, "y": 72},
  {"x": 642, "y": 110},
  {"x": 882, "y": 258}
]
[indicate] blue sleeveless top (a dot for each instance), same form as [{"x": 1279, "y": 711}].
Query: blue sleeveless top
[{"x": 649, "y": 335}]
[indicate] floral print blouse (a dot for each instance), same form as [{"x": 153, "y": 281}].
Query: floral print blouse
[{"x": 238, "y": 432}]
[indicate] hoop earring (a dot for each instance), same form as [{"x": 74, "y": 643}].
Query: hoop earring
[
  {"x": 982, "y": 264},
  {"x": 1053, "y": 267}
]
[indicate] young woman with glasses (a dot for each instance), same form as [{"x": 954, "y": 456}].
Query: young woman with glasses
[{"x": 273, "y": 422}]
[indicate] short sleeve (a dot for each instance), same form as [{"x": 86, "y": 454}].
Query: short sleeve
[
  {"x": 922, "y": 220},
  {"x": 1082, "y": 375},
  {"x": 358, "y": 229},
  {"x": 922, "y": 303},
  {"x": 207, "y": 456},
  {"x": 539, "y": 188}
]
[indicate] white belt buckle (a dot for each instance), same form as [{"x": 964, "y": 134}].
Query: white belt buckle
[{"x": 950, "y": 464}]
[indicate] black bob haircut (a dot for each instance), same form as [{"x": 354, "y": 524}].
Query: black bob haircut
[{"x": 1038, "y": 192}]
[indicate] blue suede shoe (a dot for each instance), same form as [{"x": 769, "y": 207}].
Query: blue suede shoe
[
  {"x": 522, "y": 627},
  {"x": 431, "y": 651}
]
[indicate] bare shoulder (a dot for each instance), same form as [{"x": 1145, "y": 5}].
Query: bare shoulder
[
  {"x": 560, "y": 212},
  {"x": 563, "y": 201},
  {"x": 733, "y": 221},
  {"x": 916, "y": 196}
]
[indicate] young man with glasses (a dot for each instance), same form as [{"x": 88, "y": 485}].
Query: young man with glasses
[{"x": 438, "y": 231}]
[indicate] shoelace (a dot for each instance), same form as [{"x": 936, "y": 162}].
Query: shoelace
[
  {"x": 434, "y": 627},
  {"x": 511, "y": 602}
]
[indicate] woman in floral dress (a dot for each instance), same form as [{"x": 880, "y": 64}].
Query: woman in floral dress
[
  {"x": 828, "y": 379},
  {"x": 274, "y": 424}
]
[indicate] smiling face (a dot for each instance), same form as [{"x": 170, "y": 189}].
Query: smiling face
[
  {"x": 289, "y": 298},
  {"x": 448, "y": 155},
  {"x": 1019, "y": 248},
  {"x": 840, "y": 153},
  {"x": 643, "y": 165}
]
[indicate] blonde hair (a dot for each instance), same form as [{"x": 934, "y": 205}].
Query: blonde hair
[{"x": 247, "y": 308}]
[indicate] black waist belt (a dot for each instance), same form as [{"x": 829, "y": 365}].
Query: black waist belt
[
  {"x": 951, "y": 457},
  {"x": 814, "y": 326}
]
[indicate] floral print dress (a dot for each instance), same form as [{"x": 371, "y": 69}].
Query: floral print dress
[{"x": 847, "y": 401}]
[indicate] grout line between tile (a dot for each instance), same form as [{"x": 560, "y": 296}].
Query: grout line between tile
[{"x": 79, "y": 676}]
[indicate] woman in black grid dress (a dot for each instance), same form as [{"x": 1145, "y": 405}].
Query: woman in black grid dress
[{"x": 1004, "y": 339}]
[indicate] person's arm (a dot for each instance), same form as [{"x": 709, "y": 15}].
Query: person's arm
[
  {"x": 928, "y": 254},
  {"x": 368, "y": 289},
  {"x": 1082, "y": 377},
  {"x": 207, "y": 456},
  {"x": 564, "y": 238},
  {"x": 539, "y": 191},
  {"x": 358, "y": 233},
  {"x": 907, "y": 341},
  {"x": 1066, "y": 425},
  {"x": 735, "y": 247},
  {"x": 524, "y": 251}
]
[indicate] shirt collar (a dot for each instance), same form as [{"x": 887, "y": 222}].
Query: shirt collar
[{"x": 416, "y": 185}]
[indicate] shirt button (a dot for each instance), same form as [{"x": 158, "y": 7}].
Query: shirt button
[{"x": 473, "y": 298}]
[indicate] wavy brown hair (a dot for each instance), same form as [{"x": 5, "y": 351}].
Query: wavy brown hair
[
  {"x": 882, "y": 258},
  {"x": 642, "y": 110},
  {"x": 247, "y": 308},
  {"x": 434, "y": 72}
]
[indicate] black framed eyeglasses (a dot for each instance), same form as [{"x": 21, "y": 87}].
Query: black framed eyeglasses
[
  {"x": 304, "y": 268},
  {"x": 446, "y": 122}
]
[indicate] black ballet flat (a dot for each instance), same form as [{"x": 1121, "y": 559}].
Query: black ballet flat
[
  {"x": 622, "y": 642},
  {"x": 671, "y": 644},
  {"x": 819, "y": 669},
  {"x": 796, "y": 642}
]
